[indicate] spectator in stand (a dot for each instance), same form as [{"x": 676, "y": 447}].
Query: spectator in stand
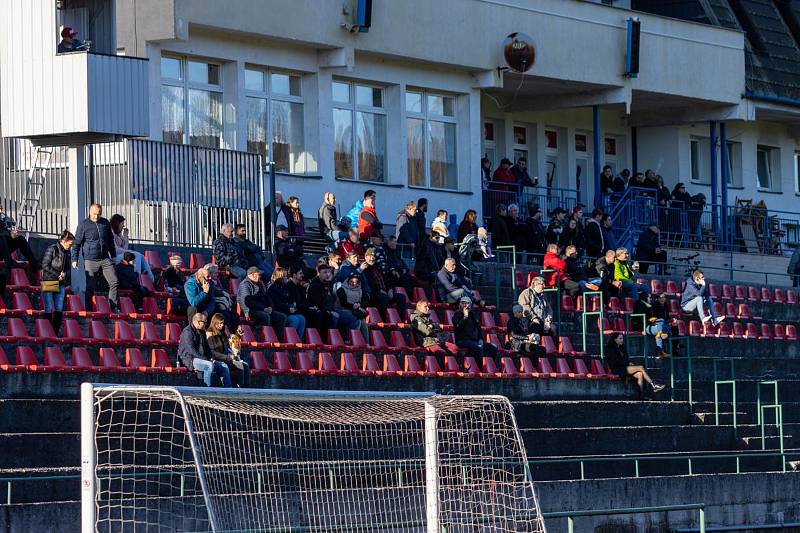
[
  {"x": 427, "y": 333},
  {"x": 406, "y": 230},
  {"x": 238, "y": 366},
  {"x": 174, "y": 280},
  {"x": 556, "y": 226},
  {"x": 218, "y": 339},
  {"x": 281, "y": 210},
  {"x": 617, "y": 357},
  {"x": 536, "y": 235},
  {"x": 419, "y": 218},
  {"x": 227, "y": 254},
  {"x": 282, "y": 297},
  {"x": 379, "y": 249},
  {"x": 486, "y": 172},
  {"x": 656, "y": 320},
  {"x": 352, "y": 244},
  {"x": 395, "y": 270},
  {"x": 638, "y": 181},
  {"x": 650, "y": 180},
  {"x": 253, "y": 254},
  {"x": 381, "y": 292},
  {"x": 321, "y": 303},
  {"x": 620, "y": 182},
  {"x": 576, "y": 271},
  {"x": 129, "y": 279},
  {"x": 95, "y": 239},
  {"x": 350, "y": 297},
  {"x": 610, "y": 242},
  {"x": 537, "y": 309},
  {"x": 697, "y": 204},
  {"x": 648, "y": 250},
  {"x": 520, "y": 172},
  {"x": 297, "y": 222},
  {"x": 450, "y": 285},
  {"x": 680, "y": 198},
  {"x": 328, "y": 219},
  {"x": 256, "y": 304},
  {"x": 593, "y": 234},
  {"x": 368, "y": 218},
  {"x": 195, "y": 353},
  {"x": 605, "y": 270},
  {"x": 520, "y": 338},
  {"x": 793, "y": 269},
  {"x": 425, "y": 265},
  {"x": 223, "y": 302},
  {"x": 565, "y": 269},
  {"x": 503, "y": 179},
  {"x": 626, "y": 275},
  {"x": 607, "y": 180},
  {"x": 572, "y": 236},
  {"x": 199, "y": 294},
  {"x": 679, "y": 204},
  {"x": 467, "y": 331},
  {"x": 695, "y": 298},
  {"x": 70, "y": 42},
  {"x": 516, "y": 229},
  {"x": 122, "y": 243},
  {"x": 288, "y": 252},
  {"x": 334, "y": 261},
  {"x": 352, "y": 263},
  {"x": 468, "y": 225},
  {"x": 498, "y": 227},
  {"x": 297, "y": 287},
  {"x": 439, "y": 225},
  {"x": 56, "y": 271}
]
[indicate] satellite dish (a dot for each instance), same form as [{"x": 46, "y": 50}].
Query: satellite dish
[{"x": 519, "y": 52}]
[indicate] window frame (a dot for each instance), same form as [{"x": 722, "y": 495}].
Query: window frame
[
  {"x": 796, "y": 171},
  {"x": 427, "y": 117},
  {"x": 186, "y": 86},
  {"x": 355, "y": 108},
  {"x": 268, "y": 95},
  {"x": 769, "y": 152}
]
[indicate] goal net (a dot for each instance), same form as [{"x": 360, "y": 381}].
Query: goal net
[{"x": 158, "y": 459}]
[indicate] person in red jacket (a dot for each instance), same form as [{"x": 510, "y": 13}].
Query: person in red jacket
[
  {"x": 368, "y": 218},
  {"x": 504, "y": 175},
  {"x": 350, "y": 245}
]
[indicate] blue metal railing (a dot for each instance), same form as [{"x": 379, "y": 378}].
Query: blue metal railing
[{"x": 527, "y": 197}]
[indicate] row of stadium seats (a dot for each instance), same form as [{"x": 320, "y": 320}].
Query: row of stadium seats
[{"x": 694, "y": 328}]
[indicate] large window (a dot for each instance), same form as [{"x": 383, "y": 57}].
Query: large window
[
  {"x": 191, "y": 102},
  {"x": 765, "y": 157},
  {"x": 275, "y": 118},
  {"x": 431, "y": 140},
  {"x": 359, "y": 132}
]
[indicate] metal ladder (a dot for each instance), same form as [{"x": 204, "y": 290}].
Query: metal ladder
[{"x": 33, "y": 188}]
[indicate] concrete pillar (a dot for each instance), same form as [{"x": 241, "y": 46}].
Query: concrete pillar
[
  {"x": 76, "y": 185},
  {"x": 723, "y": 142},
  {"x": 714, "y": 177},
  {"x": 598, "y": 149}
]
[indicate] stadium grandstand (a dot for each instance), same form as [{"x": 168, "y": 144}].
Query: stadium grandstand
[{"x": 464, "y": 265}]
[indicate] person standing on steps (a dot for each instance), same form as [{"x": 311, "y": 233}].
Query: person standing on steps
[
  {"x": 55, "y": 278},
  {"x": 95, "y": 239}
]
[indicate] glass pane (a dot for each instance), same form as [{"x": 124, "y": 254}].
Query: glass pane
[
  {"x": 695, "y": 161},
  {"x": 254, "y": 80},
  {"x": 580, "y": 142},
  {"x": 488, "y": 131},
  {"x": 287, "y": 137},
  {"x": 257, "y": 126},
  {"x": 442, "y": 154},
  {"x": 172, "y": 114},
  {"x": 611, "y": 146},
  {"x": 369, "y": 96},
  {"x": 762, "y": 161},
  {"x": 415, "y": 148},
  {"x": 284, "y": 84},
  {"x": 413, "y": 102},
  {"x": 204, "y": 73},
  {"x": 341, "y": 92},
  {"x": 343, "y": 143},
  {"x": 551, "y": 139},
  {"x": 440, "y": 105},
  {"x": 171, "y": 68},
  {"x": 205, "y": 118},
  {"x": 371, "y": 138}
]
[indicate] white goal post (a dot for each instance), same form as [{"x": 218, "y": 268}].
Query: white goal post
[{"x": 192, "y": 459}]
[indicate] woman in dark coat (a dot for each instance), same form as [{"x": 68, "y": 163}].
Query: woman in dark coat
[
  {"x": 56, "y": 267},
  {"x": 616, "y": 356},
  {"x": 468, "y": 225},
  {"x": 499, "y": 228}
]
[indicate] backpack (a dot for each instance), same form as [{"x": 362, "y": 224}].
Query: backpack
[{"x": 352, "y": 215}]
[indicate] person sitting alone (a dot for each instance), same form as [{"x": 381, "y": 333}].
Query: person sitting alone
[
  {"x": 656, "y": 320},
  {"x": 174, "y": 281},
  {"x": 467, "y": 329},
  {"x": 537, "y": 309},
  {"x": 427, "y": 333},
  {"x": 616, "y": 356},
  {"x": 695, "y": 298},
  {"x": 520, "y": 337},
  {"x": 450, "y": 285}
]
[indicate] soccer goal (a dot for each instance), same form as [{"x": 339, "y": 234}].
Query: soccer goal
[{"x": 158, "y": 459}]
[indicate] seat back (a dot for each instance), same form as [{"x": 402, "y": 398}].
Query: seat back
[
  {"x": 750, "y": 331},
  {"x": 727, "y": 292},
  {"x": 695, "y": 328},
  {"x": 108, "y": 358},
  {"x": 549, "y": 346},
  {"x": 766, "y": 331},
  {"x": 173, "y": 331},
  {"x": 98, "y": 330},
  {"x": 766, "y": 295},
  {"x": 778, "y": 296},
  {"x": 791, "y": 332},
  {"x": 580, "y": 368},
  {"x": 148, "y": 332},
  {"x": 791, "y": 296},
  {"x": 740, "y": 292},
  {"x": 738, "y": 330},
  {"x": 133, "y": 358},
  {"x": 42, "y": 328},
  {"x": 160, "y": 359},
  {"x": 123, "y": 331},
  {"x": 53, "y": 356},
  {"x": 779, "y": 332},
  {"x": 357, "y": 339},
  {"x": 258, "y": 362},
  {"x": 25, "y": 356},
  {"x": 101, "y": 305},
  {"x": 81, "y": 358},
  {"x": 335, "y": 338}
]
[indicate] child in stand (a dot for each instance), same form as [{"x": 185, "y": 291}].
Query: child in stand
[{"x": 240, "y": 369}]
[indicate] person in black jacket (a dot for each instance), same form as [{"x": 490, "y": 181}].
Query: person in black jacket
[
  {"x": 521, "y": 338},
  {"x": 617, "y": 357},
  {"x": 256, "y": 304},
  {"x": 55, "y": 267},
  {"x": 195, "y": 353},
  {"x": 593, "y": 235},
  {"x": 96, "y": 240},
  {"x": 498, "y": 227},
  {"x": 11, "y": 240},
  {"x": 406, "y": 229},
  {"x": 419, "y": 219},
  {"x": 556, "y": 225},
  {"x": 328, "y": 220},
  {"x": 656, "y": 320},
  {"x": 648, "y": 250},
  {"x": 467, "y": 329},
  {"x": 253, "y": 254},
  {"x": 281, "y": 294},
  {"x": 468, "y": 225},
  {"x": 129, "y": 279},
  {"x": 537, "y": 235}
]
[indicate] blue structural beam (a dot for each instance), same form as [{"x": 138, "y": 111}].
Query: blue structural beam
[
  {"x": 724, "y": 155},
  {"x": 714, "y": 189},
  {"x": 634, "y": 151},
  {"x": 598, "y": 149}
]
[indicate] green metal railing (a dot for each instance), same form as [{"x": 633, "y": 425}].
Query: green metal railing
[
  {"x": 599, "y": 313},
  {"x": 732, "y": 383},
  {"x": 629, "y": 328},
  {"x": 773, "y": 383},
  {"x": 672, "y": 360},
  {"x": 572, "y": 515}
]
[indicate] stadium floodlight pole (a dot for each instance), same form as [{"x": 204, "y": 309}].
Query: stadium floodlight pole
[{"x": 88, "y": 461}]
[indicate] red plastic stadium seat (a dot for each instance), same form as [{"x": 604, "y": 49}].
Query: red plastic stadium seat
[
  {"x": 723, "y": 331},
  {"x": 258, "y": 363},
  {"x": 390, "y": 365},
  {"x": 567, "y": 303},
  {"x": 350, "y": 367},
  {"x": 674, "y": 307},
  {"x": 16, "y": 331},
  {"x": 683, "y": 331},
  {"x": 695, "y": 328},
  {"x": 738, "y": 330},
  {"x": 411, "y": 366},
  {"x": 672, "y": 288},
  {"x": 150, "y": 307},
  {"x": 730, "y": 309},
  {"x": 393, "y": 317},
  {"x": 502, "y": 319},
  {"x": 778, "y": 296},
  {"x": 718, "y": 309},
  {"x": 110, "y": 362},
  {"x": 752, "y": 294},
  {"x": 149, "y": 333},
  {"x": 281, "y": 363},
  {"x": 451, "y": 367},
  {"x": 581, "y": 370},
  {"x": 173, "y": 333},
  {"x": 126, "y": 307},
  {"x": 74, "y": 306},
  {"x": 791, "y": 296},
  {"x": 21, "y": 304},
  {"x": 5, "y": 365},
  {"x": 419, "y": 294},
  {"x": 766, "y": 332},
  {"x": 54, "y": 358},
  {"x": 744, "y": 312},
  {"x": 326, "y": 365},
  {"x": 779, "y": 333},
  {"x": 565, "y": 346},
  {"x": 508, "y": 368},
  {"x": 791, "y": 332},
  {"x": 740, "y": 293},
  {"x": 750, "y": 331},
  {"x": 727, "y": 292},
  {"x": 81, "y": 359},
  {"x": 656, "y": 286},
  {"x": 629, "y": 304},
  {"x": 99, "y": 332},
  {"x": 614, "y": 305},
  {"x": 102, "y": 308},
  {"x": 766, "y": 295},
  {"x": 25, "y": 357},
  {"x": 18, "y": 281},
  {"x": 549, "y": 346},
  {"x": 123, "y": 333},
  {"x": 563, "y": 369},
  {"x": 196, "y": 260},
  {"x": 153, "y": 259},
  {"x": 160, "y": 359},
  {"x": 545, "y": 369},
  {"x": 527, "y": 368},
  {"x": 72, "y": 332},
  {"x": 713, "y": 291},
  {"x": 369, "y": 364},
  {"x": 490, "y": 369},
  {"x": 432, "y": 367},
  {"x": 134, "y": 360},
  {"x": 334, "y": 338},
  {"x": 43, "y": 331}
]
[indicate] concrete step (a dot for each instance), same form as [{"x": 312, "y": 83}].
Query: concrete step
[
  {"x": 635, "y": 440},
  {"x": 39, "y": 450},
  {"x": 703, "y": 391},
  {"x": 565, "y": 414},
  {"x": 39, "y": 415}
]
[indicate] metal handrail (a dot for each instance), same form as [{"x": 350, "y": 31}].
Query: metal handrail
[
  {"x": 732, "y": 383},
  {"x": 772, "y": 382},
  {"x": 571, "y": 515},
  {"x": 599, "y": 314}
]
